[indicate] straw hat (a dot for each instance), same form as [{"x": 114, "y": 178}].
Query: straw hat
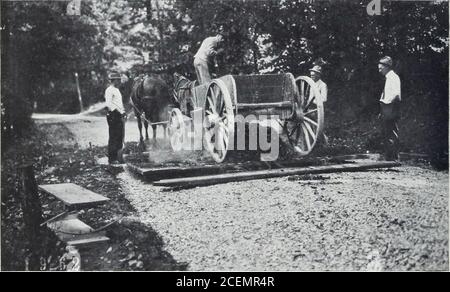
[
  {"x": 114, "y": 75},
  {"x": 316, "y": 69},
  {"x": 387, "y": 61}
]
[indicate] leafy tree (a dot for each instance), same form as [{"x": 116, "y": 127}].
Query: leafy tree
[{"x": 266, "y": 36}]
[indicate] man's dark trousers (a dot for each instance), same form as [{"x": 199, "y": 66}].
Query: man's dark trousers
[
  {"x": 116, "y": 135},
  {"x": 390, "y": 114}
]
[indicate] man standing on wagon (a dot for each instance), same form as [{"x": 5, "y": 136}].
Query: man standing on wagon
[
  {"x": 390, "y": 108},
  {"x": 116, "y": 119},
  {"x": 204, "y": 55}
]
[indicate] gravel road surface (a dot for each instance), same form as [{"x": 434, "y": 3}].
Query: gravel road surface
[
  {"x": 379, "y": 220},
  {"x": 376, "y": 220}
]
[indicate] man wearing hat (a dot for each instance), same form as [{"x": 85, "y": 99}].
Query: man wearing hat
[
  {"x": 115, "y": 118},
  {"x": 316, "y": 75},
  {"x": 204, "y": 56},
  {"x": 390, "y": 108}
]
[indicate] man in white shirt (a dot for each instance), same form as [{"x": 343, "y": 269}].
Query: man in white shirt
[
  {"x": 204, "y": 55},
  {"x": 390, "y": 108},
  {"x": 316, "y": 75},
  {"x": 115, "y": 118}
]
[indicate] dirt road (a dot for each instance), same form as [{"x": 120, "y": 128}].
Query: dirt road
[
  {"x": 87, "y": 130},
  {"x": 376, "y": 220}
]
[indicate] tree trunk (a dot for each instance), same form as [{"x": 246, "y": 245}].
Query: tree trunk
[
  {"x": 32, "y": 215},
  {"x": 148, "y": 7},
  {"x": 161, "y": 58}
]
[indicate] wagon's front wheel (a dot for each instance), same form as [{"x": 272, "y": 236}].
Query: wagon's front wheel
[
  {"x": 219, "y": 120},
  {"x": 305, "y": 126}
]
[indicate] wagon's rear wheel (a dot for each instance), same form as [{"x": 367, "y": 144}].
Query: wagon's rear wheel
[
  {"x": 305, "y": 126},
  {"x": 219, "y": 120},
  {"x": 177, "y": 130}
]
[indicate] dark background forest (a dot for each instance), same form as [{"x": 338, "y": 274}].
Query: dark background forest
[{"x": 42, "y": 47}]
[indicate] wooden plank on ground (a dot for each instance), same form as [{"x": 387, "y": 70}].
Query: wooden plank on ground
[
  {"x": 73, "y": 195},
  {"x": 158, "y": 173},
  {"x": 371, "y": 156},
  {"x": 250, "y": 175},
  {"x": 75, "y": 232},
  {"x": 406, "y": 156}
]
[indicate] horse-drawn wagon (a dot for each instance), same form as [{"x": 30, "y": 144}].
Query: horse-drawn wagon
[{"x": 295, "y": 101}]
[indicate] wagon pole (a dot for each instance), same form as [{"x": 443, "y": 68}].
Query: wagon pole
[
  {"x": 158, "y": 123},
  {"x": 80, "y": 100},
  {"x": 141, "y": 114}
]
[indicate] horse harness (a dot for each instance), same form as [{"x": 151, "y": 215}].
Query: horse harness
[
  {"x": 139, "y": 88},
  {"x": 188, "y": 85}
]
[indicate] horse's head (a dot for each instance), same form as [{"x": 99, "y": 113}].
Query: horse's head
[{"x": 176, "y": 77}]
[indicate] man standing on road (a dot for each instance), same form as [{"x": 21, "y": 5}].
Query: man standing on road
[
  {"x": 204, "y": 55},
  {"x": 316, "y": 75},
  {"x": 390, "y": 108},
  {"x": 116, "y": 119}
]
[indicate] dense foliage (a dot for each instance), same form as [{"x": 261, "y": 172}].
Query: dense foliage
[{"x": 43, "y": 47}]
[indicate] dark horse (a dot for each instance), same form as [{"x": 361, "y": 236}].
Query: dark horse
[{"x": 151, "y": 100}]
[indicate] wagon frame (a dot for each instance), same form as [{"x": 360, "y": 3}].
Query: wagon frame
[{"x": 296, "y": 101}]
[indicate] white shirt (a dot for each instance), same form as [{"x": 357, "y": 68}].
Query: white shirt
[
  {"x": 207, "y": 49},
  {"x": 113, "y": 99},
  {"x": 322, "y": 89},
  {"x": 392, "y": 89}
]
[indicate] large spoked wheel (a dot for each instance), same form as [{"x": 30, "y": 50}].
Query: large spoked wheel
[
  {"x": 177, "y": 130},
  {"x": 219, "y": 120},
  {"x": 305, "y": 126}
]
